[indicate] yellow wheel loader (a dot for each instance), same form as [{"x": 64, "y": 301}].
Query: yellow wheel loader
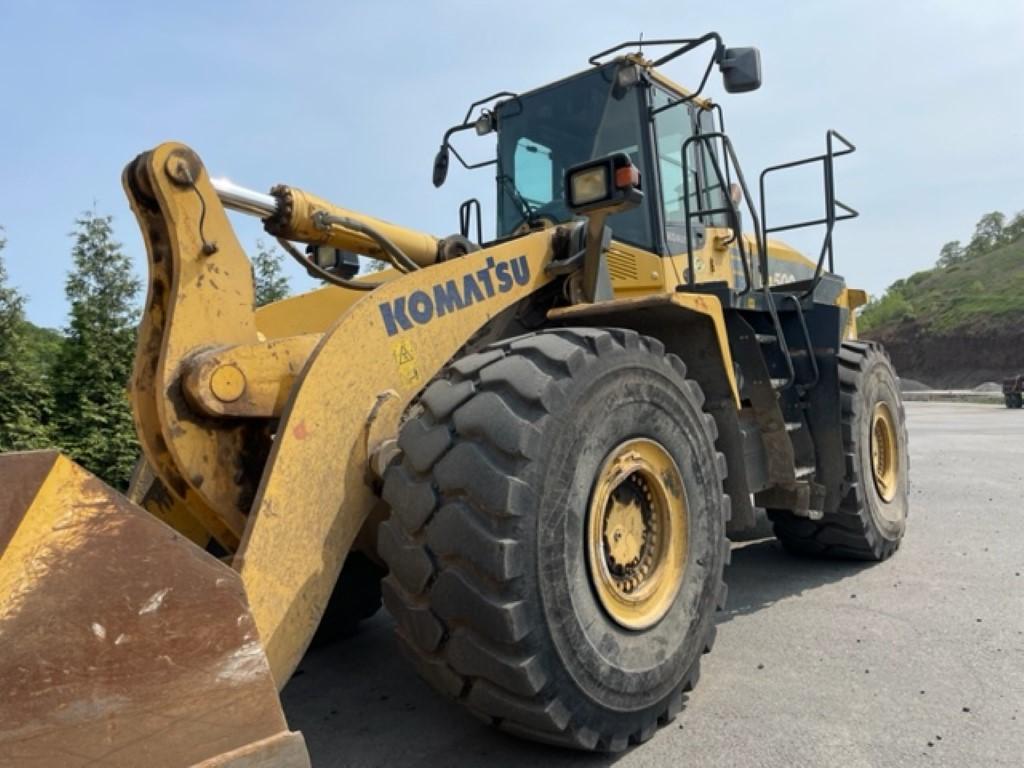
[{"x": 542, "y": 439}]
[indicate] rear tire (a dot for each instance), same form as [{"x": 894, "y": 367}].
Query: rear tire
[
  {"x": 356, "y": 597},
  {"x": 872, "y": 514},
  {"x": 489, "y": 578}
]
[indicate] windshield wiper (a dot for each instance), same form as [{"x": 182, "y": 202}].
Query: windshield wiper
[{"x": 524, "y": 207}]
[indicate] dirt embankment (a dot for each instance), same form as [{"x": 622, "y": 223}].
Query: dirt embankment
[{"x": 958, "y": 359}]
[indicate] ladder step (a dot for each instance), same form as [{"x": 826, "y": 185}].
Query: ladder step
[
  {"x": 779, "y": 383},
  {"x": 793, "y": 426},
  {"x": 802, "y": 472},
  {"x": 766, "y": 338}
]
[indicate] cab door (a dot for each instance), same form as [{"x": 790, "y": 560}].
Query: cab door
[{"x": 692, "y": 185}]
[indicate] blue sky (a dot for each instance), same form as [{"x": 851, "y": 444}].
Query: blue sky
[{"x": 349, "y": 100}]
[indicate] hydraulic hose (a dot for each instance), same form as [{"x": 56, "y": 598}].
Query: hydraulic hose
[
  {"x": 318, "y": 271},
  {"x": 398, "y": 259}
]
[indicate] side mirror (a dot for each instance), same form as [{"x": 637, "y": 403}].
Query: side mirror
[
  {"x": 741, "y": 69},
  {"x": 441, "y": 165}
]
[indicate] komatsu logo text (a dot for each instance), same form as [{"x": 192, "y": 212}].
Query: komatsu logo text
[{"x": 420, "y": 307}]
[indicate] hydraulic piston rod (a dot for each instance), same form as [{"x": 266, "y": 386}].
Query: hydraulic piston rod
[
  {"x": 239, "y": 198},
  {"x": 292, "y": 214}
]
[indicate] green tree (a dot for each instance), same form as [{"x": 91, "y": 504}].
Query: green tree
[
  {"x": 1015, "y": 229},
  {"x": 271, "y": 284},
  {"x": 24, "y": 399},
  {"x": 988, "y": 233},
  {"x": 370, "y": 266},
  {"x": 889, "y": 309},
  {"x": 951, "y": 253},
  {"x": 92, "y": 415}
]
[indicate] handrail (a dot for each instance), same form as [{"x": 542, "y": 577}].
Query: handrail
[
  {"x": 810, "y": 346},
  {"x": 465, "y": 211},
  {"x": 759, "y": 234},
  {"x": 734, "y": 218},
  {"x": 831, "y": 202},
  {"x": 685, "y": 44}
]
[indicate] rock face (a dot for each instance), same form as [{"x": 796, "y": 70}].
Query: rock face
[{"x": 961, "y": 358}]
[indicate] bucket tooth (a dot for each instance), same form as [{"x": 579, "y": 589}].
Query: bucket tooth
[{"x": 124, "y": 644}]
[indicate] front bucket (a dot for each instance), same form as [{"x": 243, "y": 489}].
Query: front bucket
[{"x": 121, "y": 642}]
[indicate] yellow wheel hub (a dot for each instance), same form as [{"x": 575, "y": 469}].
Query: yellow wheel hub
[
  {"x": 624, "y": 536},
  {"x": 636, "y": 533},
  {"x": 884, "y": 452}
]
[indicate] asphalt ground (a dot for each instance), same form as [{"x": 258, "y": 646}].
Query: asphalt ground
[{"x": 918, "y": 661}]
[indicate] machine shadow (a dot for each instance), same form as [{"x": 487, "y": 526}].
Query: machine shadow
[
  {"x": 359, "y": 703},
  {"x": 762, "y": 573}
]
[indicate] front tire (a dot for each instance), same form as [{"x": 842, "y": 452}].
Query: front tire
[
  {"x": 872, "y": 514},
  {"x": 495, "y": 573}
]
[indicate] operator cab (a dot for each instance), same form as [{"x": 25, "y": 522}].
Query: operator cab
[
  {"x": 618, "y": 106},
  {"x": 544, "y": 133},
  {"x": 675, "y": 139}
]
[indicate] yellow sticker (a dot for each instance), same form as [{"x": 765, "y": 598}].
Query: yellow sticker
[{"x": 405, "y": 359}]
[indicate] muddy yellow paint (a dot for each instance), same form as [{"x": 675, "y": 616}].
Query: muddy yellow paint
[
  {"x": 267, "y": 369},
  {"x": 405, "y": 363},
  {"x": 314, "y": 496},
  {"x": 702, "y": 304},
  {"x": 636, "y": 549},
  {"x": 301, "y": 225},
  {"x": 196, "y": 300},
  {"x": 314, "y": 311},
  {"x": 227, "y": 383}
]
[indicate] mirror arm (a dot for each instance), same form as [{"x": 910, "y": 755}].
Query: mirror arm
[
  {"x": 704, "y": 81},
  {"x": 446, "y": 144},
  {"x": 446, "y": 141}
]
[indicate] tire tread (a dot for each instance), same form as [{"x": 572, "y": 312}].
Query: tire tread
[
  {"x": 848, "y": 532},
  {"x": 469, "y": 636}
]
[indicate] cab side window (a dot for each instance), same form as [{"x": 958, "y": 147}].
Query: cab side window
[
  {"x": 672, "y": 128},
  {"x": 714, "y": 193},
  {"x": 534, "y": 172}
]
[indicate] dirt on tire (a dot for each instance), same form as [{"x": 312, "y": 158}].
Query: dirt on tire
[
  {"x": 488, "y": 578},
  {"x": 865, "y": 526}
]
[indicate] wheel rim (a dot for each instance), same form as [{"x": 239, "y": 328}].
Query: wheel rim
[
  {"x": 884, "y": 453},
  {"x": 636, "y": 533}
]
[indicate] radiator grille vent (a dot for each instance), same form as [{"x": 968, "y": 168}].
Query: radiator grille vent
[{"x": 621, "y": 267}]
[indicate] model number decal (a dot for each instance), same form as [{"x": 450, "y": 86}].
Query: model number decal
[{"x": 422, "y": 306}]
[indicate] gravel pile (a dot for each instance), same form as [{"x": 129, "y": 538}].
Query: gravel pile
[{"x": 910, "y": 385}]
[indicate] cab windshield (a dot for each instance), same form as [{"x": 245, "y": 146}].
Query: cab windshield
[{"x": 543, "y": 133}]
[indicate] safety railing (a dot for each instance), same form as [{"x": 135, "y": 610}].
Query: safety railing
[
  {"x": 730, "y": 209},
  {"x": 832, "y": 204}
]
